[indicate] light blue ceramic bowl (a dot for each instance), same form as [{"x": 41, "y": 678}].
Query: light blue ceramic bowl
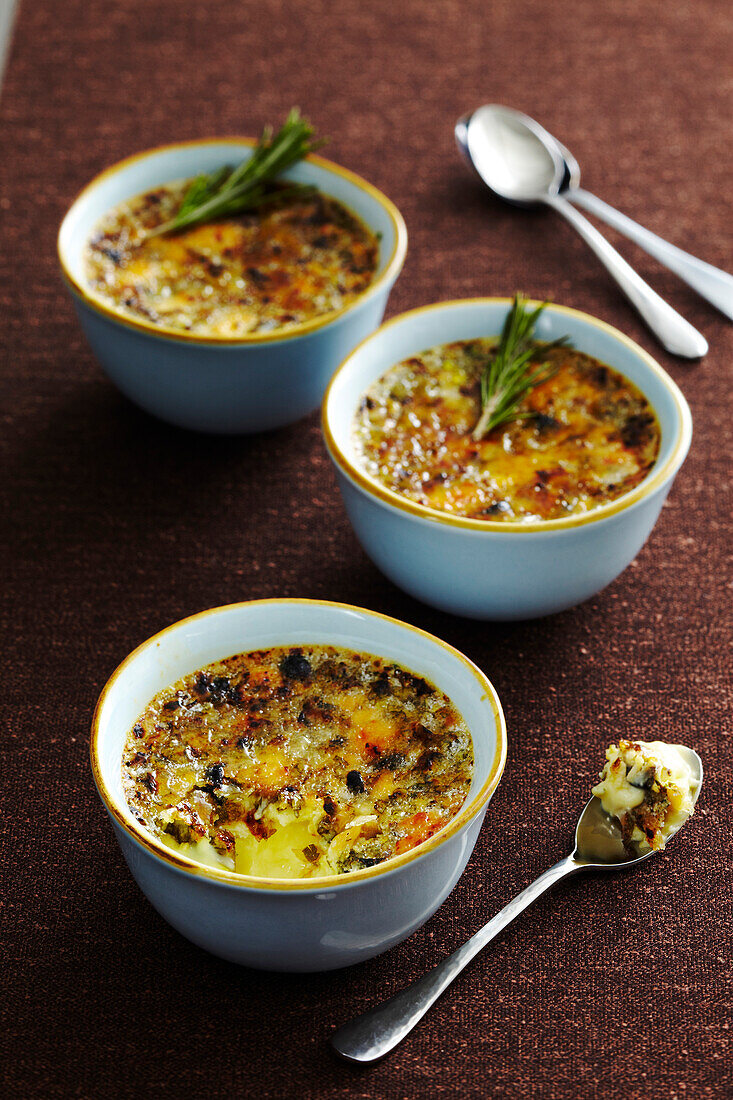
[
  {"x": 214, "y": 384},
  {"x": 286, "y": 924},
  {"x": 489, "y": 569}
]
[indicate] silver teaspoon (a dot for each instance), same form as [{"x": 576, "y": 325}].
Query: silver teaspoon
[
  {"x": 598, "y": 846},
  {"x": 513, "y": 156},
  {"x": 712, "y": 284}
]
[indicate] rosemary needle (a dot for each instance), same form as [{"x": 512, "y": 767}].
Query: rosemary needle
[
  {"x": 230, "y": 191},
  {"x": 509, "y": 374}
]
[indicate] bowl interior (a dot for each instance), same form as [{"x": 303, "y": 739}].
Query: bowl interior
[
  {"x": 148, "y": 170},
  {"x": 222, "y": 632},
  {"x": 414, "y": 332}
]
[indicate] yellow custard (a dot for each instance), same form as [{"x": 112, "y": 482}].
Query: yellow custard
[
  {"x": 277, "y": 267},
  {"x": 297, "y": 763},
  {"x": 581, "y": 438}
]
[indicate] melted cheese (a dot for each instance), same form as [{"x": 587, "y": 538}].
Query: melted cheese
[{"x": 649, "y": 787}]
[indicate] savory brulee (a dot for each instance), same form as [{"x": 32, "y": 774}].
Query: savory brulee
[
  {"x": 286, "y": 262},
  {"x": 649, "y": 787},
  {"x": 573, "y": 436},
  {"x": 297, "y": 762}
]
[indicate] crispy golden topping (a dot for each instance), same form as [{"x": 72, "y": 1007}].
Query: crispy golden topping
[
  {"x": 297, "y": 762},
  {"x": 279, "y": 266},
  {"x": 583, "y": 437}
]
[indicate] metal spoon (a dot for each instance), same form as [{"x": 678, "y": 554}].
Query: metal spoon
[
  {"x": 710, "y": 282},
  {"x": 598, "y": 846},
  {"x": 521, "y": 163}
]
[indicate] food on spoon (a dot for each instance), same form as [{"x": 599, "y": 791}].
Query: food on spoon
[
  {"x": 236, "y": 253},
  {"x": 519, "y": 432},
  {"x": 650, "y": 788},
  {"x": 297, "y": 762}
]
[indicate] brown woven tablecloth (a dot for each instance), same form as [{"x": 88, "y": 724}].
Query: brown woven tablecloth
[{"x": 117, "y": 526}]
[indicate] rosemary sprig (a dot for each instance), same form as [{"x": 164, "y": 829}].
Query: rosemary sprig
[
  {"x": 230, "y": 191},
  {"x": 508, "y": 374}
]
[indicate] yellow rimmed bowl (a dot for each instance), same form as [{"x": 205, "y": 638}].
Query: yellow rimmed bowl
[
  {"x": 489, "y": 569},
  {"x": 211, "y": 383},
  {"x": 301, "y": 924}
]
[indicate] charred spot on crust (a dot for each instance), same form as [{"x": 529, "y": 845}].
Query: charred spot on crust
[
  {"x": 320, "y": 214},
  {"x": 414, "y": 683},
  {"x": 497, "y": 508},
  {"x": 316, "y": 710},
  {"x": 544, "y": 423},
  {"x": 338, "y": 673},
  {"x": 171, "y": 705},
  {"x": 354, "y": 782},
  {"x": 637, "y": 430},
  {"x": 138, "y": 729},
  {"x": 219, "y": 689},
  {"x": 256, "y": 826},
  {"x": 329, "y": 805},
  {"x": 392, "y": 761},
  {"x": 180, "y": 830},
  {"x": 426, "y": 759},
  {"x": 422, "y": 733},
  {"x": 433, "y": 482},
  {"x": 296, "y": 666},
  {"x": 380, "y": 687},
  {"x": 224, "y": 839},
  {"x": 215, "y": 775}
]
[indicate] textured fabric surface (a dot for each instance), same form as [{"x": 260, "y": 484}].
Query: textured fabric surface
[{"x": 117, "y": 526}]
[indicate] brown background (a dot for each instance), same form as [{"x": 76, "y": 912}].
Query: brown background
[{"x": 118, "y": 525}]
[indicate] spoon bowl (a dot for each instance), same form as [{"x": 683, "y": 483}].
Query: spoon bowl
[
  {"x": 510, "y": 154},
  {"x": 598, "y": 839}
]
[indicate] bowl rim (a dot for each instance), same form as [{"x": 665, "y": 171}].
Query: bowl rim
[
  {"x": 391, "y": 270},
  {"x": 654, "y": 479},
  {"x": 328, "y": 882}
]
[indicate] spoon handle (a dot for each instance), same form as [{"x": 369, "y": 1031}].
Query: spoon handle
[
  {"x": 710, "y": 282},
  {"x": 378, "y": 1031},
  {"x": 674, "y": 333}
]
